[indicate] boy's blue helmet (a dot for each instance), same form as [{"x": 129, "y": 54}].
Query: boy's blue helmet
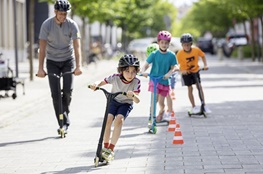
[
  {"x": 62, "y": 5},
  {"x": 129, "y": 60}
]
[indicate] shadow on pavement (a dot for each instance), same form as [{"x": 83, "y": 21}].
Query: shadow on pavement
[
  {"x": 71, "y": 170},
  {"x": 26, "y": 141}
]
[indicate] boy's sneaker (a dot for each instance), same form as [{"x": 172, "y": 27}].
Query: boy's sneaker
[
  {"x": 207, "y": 110},
  {"x": 108, "y": 154},
  {"x": 104, "y": 149},
  {"x": 195, "y": 110}
]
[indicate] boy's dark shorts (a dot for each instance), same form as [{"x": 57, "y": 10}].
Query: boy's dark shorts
[
  {"x": 189, "y": 80},
  {"x": 116, "y": 108}
]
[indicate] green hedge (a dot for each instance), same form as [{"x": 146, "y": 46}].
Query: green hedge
[{"x": 246, "y": 51}]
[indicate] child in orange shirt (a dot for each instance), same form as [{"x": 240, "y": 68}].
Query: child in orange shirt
[{"x": 188, "y": 60}]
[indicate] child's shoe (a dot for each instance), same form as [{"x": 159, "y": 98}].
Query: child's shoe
[
  {"x": 108, "y": 155},
  {"x": 207, "y": 110},
  {"x": 195, "y": 110},
  {"x": 159, "y": 118},
  {"x": 104, "y": 149},
  {"x": 167, "y": 116}
]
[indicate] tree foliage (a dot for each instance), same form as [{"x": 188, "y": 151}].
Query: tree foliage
[
  {"x": 135, "y": 17},
  {"x": 218, "y": 16}
]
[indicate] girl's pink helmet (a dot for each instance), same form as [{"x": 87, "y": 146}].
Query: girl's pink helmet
[{"x": 164, "y": 35}]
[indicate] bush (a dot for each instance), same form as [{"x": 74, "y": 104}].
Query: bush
[{"x": 246, "y": 51}]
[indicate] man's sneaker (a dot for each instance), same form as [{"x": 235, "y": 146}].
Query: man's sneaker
[
  {"x": 108, "y": 154},
  {"x": 195, "y": 110},
  {"x": 65, "y": 128},
  {"x": 207, "y": 110}
]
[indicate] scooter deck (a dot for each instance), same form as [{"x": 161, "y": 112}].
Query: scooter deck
[
  {"x": 197, "y": 114},
  {"x": 100, "y": 162},
  {"x": 162, "y": 123}
]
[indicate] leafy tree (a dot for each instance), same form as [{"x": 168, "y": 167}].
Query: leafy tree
[{"x": 207, "y": 15}]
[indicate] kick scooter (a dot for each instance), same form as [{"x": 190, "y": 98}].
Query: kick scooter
[
  {"x": 110, "y": 96},
  {"x": 202, "y": 109},
  {"x": 61, "y": 130},
  {"x": 152, "y": 124}
]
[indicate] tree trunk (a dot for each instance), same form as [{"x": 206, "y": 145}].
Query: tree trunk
[
  {"x": 245, "y": 28},
  {"x": 31, "y": 37},
  {"x": 83, "y": 41},
  {"x": 261, "y": 20},
  {"x": 252, "y": 39}
]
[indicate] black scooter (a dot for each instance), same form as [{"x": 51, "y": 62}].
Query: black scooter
[
  {"x": 202, "y": 109},
  {"x": 110, "y": 96},
  {"x": 61, "y": 130}
]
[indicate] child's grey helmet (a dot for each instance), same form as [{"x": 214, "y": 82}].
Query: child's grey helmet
[
  {"x": 129, "y": 60},
  {"x": 62, "y": 5},
  {"x": 186, "y": 38}
]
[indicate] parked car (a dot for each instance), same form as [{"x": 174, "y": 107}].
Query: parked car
[
  {"x": 138, "y": 47},
  {"x": 206, "y": 45},
  {"x": 175, "y": 44},
  {"x": 238, "y": 39}
]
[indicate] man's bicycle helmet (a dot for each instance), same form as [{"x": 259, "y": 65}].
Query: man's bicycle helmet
[
  {"x": 186, "y": 38},
  {"x": 62, "y": 5},
  {"x": 129, "y": 60},
  {"x": 151, "y": 48},
  {"x": 164, "y": 35}
]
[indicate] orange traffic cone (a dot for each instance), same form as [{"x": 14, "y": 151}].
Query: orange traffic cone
[
  {"x": 178, "y": 138},
  {"x": 172, "y": 114},
  {"x": 172, "y": 124}
]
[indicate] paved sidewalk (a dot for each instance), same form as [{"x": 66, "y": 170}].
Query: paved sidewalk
[
  {"x": 228, "y": 141},
  {"x": 37, "y": 91}
]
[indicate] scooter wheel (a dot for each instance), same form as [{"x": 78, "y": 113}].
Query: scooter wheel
[
  {"x": 14, "y": 96},
  {"x": 96, "y": 161},
  {"x": 205, "y": 114},
  {"x": 153, "y": 130},
  {"x": 189, "y": 114}
]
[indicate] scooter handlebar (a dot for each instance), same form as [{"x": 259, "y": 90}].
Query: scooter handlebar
[
  {"x": 58, "y": 76},
  {"x": 105, "y": 91}
]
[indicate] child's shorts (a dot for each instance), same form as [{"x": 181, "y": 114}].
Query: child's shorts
[
  {"x": 116, "y": 108},
  {"x": 163, "y": 90}
]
